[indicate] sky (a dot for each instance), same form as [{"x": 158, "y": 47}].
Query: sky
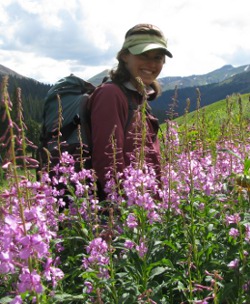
[{"x": 49, "y": 39}]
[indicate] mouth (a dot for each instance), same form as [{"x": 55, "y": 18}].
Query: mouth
[{"x": 147, "y": 72}]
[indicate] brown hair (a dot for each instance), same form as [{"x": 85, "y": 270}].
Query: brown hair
[
  {"x": 144, "y": 28},
  {"x": 121, "y": 74}
]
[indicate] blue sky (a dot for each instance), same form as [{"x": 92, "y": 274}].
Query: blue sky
[{"x": 48, "y": 39}]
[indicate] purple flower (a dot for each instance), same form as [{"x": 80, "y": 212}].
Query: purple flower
[
  {"x": 233, "y": 219},
  {"x": 29, "y": 281},
  {"x": 132, "y": 221},
  {"x": 89, "y": 286},
  {"x": 17, "y": 300},
  {"x": 52, "y": 273},
  {"x": 33, "y": 244},
  {"x": 153, "y": 216},
  {"x": 234, "y": 264},
  {"x": 98, "y": 256},
  {"x": 234, "y": 233},
  {"x": 142, "y": 248},
  {"x": 129, "y": 244},
  {"x": 6, "y": 264},
  {"x": 246, "y": 286},
  {"x": 247, "y": 233}
]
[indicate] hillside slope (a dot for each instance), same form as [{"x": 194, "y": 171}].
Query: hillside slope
[
  {"x": 216, "y": 76},
  {"x": 239, "y": 83},
  {"x": 213, "y": 86}
]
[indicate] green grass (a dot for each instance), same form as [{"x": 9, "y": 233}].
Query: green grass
[
  {"x": 218, "y": 111},
  {"x": 221, "y": 119}
]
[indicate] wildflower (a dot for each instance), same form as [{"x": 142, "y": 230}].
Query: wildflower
[
  {"x": 234, "y": 264},
  {"x": 153, "y": 216},
  {"x": 89, "y": 286},
  {"x": 246, "y": 286},
  {"x": 29, "y": 281},
  {"x": 34, "y": 213},
  {"x": 33, "y": 244},
  {"x": 98, "y": 256},
  {"x": 52, "y": 273},
  {"x": 129, "y": 244},
  {"x": 204, "y": 301},
  {"x": 142, "y": 248},
  {"x": 132, "y": 221},
  {"x": 67, "y": 159},
  {"x": 6, "y": 264},
  {"x": 233, "y": 219},
  {"x": 234, "y": 233},
  {"x": 247, "y": 233},
  {"x": 17, "y": 300}
]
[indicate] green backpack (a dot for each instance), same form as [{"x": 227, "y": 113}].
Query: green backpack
[
  {"x": 73, "y": 98},
  {"x": 74, "y": 94}
]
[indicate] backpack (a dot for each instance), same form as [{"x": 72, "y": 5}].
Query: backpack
[{"x": 72, "y": 94}]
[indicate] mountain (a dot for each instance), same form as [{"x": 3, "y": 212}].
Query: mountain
[
  {"x": 29, "y": 86},
  {"x": 213, "y": 86},
  {"x": 7, "y": 71},
  {"x": 225, "y": 72},
  {"x": 32, "y": 92},
  {"x": 97, "y": 79},
  {"x": 239, "y": 83}
]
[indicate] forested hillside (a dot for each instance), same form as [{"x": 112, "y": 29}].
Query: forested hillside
[
  {"x": 207, "y": 94},
  {"x": 32, "y": 97},
  {"x": 32, "y": 93}
]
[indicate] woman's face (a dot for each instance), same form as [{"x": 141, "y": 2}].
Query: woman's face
[{"x": 147, "y": 65}]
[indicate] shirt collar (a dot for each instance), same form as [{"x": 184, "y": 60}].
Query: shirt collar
[{"x": 131, "y": 87}]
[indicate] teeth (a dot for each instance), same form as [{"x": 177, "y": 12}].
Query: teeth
[{"x": 147, "y": 72}]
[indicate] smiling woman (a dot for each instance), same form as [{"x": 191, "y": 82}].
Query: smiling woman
[
  {"x": 147, "y": 65},
  {"x": 134, "y": 132}
]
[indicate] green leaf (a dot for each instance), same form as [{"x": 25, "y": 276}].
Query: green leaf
[
  {"x": 6, "y": 300},
  {"x": 157, "y": 271},
  {"x": 246, "y": 166}
]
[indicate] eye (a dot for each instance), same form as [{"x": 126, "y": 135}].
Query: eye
[{"x": 159, "y": 58}]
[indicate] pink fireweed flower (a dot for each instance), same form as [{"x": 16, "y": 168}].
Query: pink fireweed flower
[
  {"x": 132, "y": 221},
  {"x": 246, "y": 286},
  {"x": 66, "y": 159},
  {"x": 34, "y": 213},
  {"x": 129, "y": 244},
  {"x": 233, "y": 219},
  {"x": 89, "y": 286},
  {"x": 234, "y": 264},
  {"x": 52, "y": 273},
  {"x": 17, "y": 300},
  {"x": 138, "y": 185},
  {"x": 33, "y": 244},
  {"x": 172, "y": 136},
  {"x": 29, "y": 281},
  {"x": 153, "y": 217},
  {"x": 204, "y": 301},
  {"x": 98, "y": 256},
  {"x": 142, "y": 248},
  {"x": 6, "y": 262},
  {"x": 234, "y": 233},
  {"x": 247, "y": 233}
]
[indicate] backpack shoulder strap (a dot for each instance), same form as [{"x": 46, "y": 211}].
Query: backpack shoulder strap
[{"x": 132, "y": 106}]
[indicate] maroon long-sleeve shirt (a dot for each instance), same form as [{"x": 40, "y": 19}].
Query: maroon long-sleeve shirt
[{"x": 109, "y": 115}]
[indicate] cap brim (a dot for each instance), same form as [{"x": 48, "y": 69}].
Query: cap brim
[{"x": 141, "y": 48}]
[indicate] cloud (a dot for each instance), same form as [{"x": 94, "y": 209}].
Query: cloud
[{"x": 46, "y": 39}]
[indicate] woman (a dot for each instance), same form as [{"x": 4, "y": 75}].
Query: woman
[{"x": 142, "y": 57}]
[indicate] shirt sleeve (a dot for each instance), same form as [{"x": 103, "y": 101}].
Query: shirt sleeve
[{"x": 109, "y": 111}]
